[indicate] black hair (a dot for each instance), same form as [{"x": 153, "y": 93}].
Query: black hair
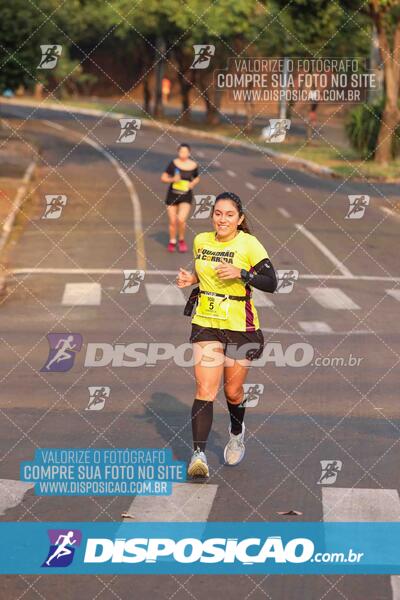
[
  {"x": 238, "y": 203},
  {"x": 184, "y": 145}
]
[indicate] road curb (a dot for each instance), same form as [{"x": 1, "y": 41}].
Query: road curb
[
  {"x": 8, "y": 224},
  {"x": 94, "y": 112}
]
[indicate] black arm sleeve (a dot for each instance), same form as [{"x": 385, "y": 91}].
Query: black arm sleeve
[{"x": 264, "y": 277}]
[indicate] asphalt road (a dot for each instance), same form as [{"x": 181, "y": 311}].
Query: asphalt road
[{"x": 306, "y": 414}]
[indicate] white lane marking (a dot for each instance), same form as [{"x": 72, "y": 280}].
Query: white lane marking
[
  {"x": 288, "y": 189},
  {"x": 332, "y": 298},
  {"x": 137, "y": 209},
  {"x": 200, "y": 153},
  {"x": 315, "y": 326},
  {"x": 81, "y": 294},
  {"x": 188, "y": 502},
  {"x": 231, "y": 173},
  {"x": 55, "y": 125},
  {"x": 68, "y": 271},
  {"x": 164, "y": 294},
  {"x": 390, "y": 212},
  {"x": 363, "y": 505},
  {"x": 303, "y": 333},
  {"x": 250, "y": 186},
  {"x": 12, "y": 493},
  {"x": 325, "y": 251},
  {"x": 394, "y": 293},
  {"x": 284, "y": 212},
  {"x": 261, "y": 299},
  {"x": 216, "y": 163}
]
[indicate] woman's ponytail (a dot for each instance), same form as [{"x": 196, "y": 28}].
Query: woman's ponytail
[{"x": 244, "y": 226}]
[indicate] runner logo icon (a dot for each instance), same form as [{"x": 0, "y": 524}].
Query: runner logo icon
[
  {"x": 286, "y": 279},
  {"x": 132, "y": 281},
  {"x": 97, "y": 397},
  {"x": 357, "y": 206},
  {"x": 54, "y": 206},
  {"x": 252, "y": 393},
  {"x": 63, "y": 347},
  {"x": 129, "y": 128},
  {"x": 62, "y": 547},
  {"x": 203, "y": 53},
  {"x": 330, "y": 470},
  {"x": 203, "y": 206},
  {"x": 50, "y": 55},
  {"x": 276, "y": 131}
]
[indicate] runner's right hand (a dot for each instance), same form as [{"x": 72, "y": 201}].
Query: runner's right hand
[{"x": 185, "y": 278}]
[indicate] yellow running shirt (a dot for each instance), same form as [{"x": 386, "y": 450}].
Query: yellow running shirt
[{"x": 243, "y": 251}]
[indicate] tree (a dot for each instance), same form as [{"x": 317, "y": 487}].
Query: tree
[
  {"x": 309, "y": 21},
  {"x": 20, "y": 48},
  {"x": 149, "y": 26},
  {"x": 230, "y": 26},
  {"x": 386, "y": 17}
]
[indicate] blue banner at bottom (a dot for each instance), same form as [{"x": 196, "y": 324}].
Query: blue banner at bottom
[{"x": 211, "y": 548}]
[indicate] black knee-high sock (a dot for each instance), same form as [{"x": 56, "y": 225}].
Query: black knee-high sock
[
  {"x": 202, "y": 416},
  {"x": 236, "y": 412}
]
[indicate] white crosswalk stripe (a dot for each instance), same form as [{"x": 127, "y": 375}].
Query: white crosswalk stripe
[
  {"x": 188, "y": 502},
  {"x": 360, "y": 504},
  {"x": 81, "y": 294},
  {"x": 315, "y": 326},
  {"x": 164, "y": 294},
  {"x": 261, "y": 299},
  {"x": 394, "y": 293},
  {"x": 333, "y": 298},
  {"x": 363, "y": 505},
  {"x": 12, "y": 493},
  {"x": 168, "y": 294}
]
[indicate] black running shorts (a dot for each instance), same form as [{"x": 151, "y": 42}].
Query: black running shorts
[{"x": 237, "y": 344}]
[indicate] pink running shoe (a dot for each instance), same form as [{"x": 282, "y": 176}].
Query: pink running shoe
[
  {"x": 171, "y": 246},
  {"x": 182, "y": 246}
]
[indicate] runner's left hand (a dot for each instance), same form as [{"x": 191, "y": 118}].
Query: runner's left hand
[
  {"x": 185, "y": 278},
  {"x": 226, "y": 271}
]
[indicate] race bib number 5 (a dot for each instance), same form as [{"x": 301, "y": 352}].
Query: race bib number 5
[{"x": 213, "y": 307}]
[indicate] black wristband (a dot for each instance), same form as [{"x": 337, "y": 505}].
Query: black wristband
[{"x": 245, "y": 275}]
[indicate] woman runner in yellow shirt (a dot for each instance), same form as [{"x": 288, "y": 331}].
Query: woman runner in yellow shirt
[{"x": 226, "y": 335}]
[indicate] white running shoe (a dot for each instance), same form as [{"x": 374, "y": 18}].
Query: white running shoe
[
  {"x": 234, "y": 450},
  {"x": 198, "y": 466}
]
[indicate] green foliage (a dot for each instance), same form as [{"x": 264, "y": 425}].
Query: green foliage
[
  {"x": 68, "y": 78},
  {"x": 362, "y": 128},
  {"x": 25, "y": 25},
  {"x": 321, "y": 28},
  {"x": 22, "y": 29}
]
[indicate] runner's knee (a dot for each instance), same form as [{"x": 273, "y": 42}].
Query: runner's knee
[
  {"x": 206, "y": 392},
  {"x": 233, "y": 393}
]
